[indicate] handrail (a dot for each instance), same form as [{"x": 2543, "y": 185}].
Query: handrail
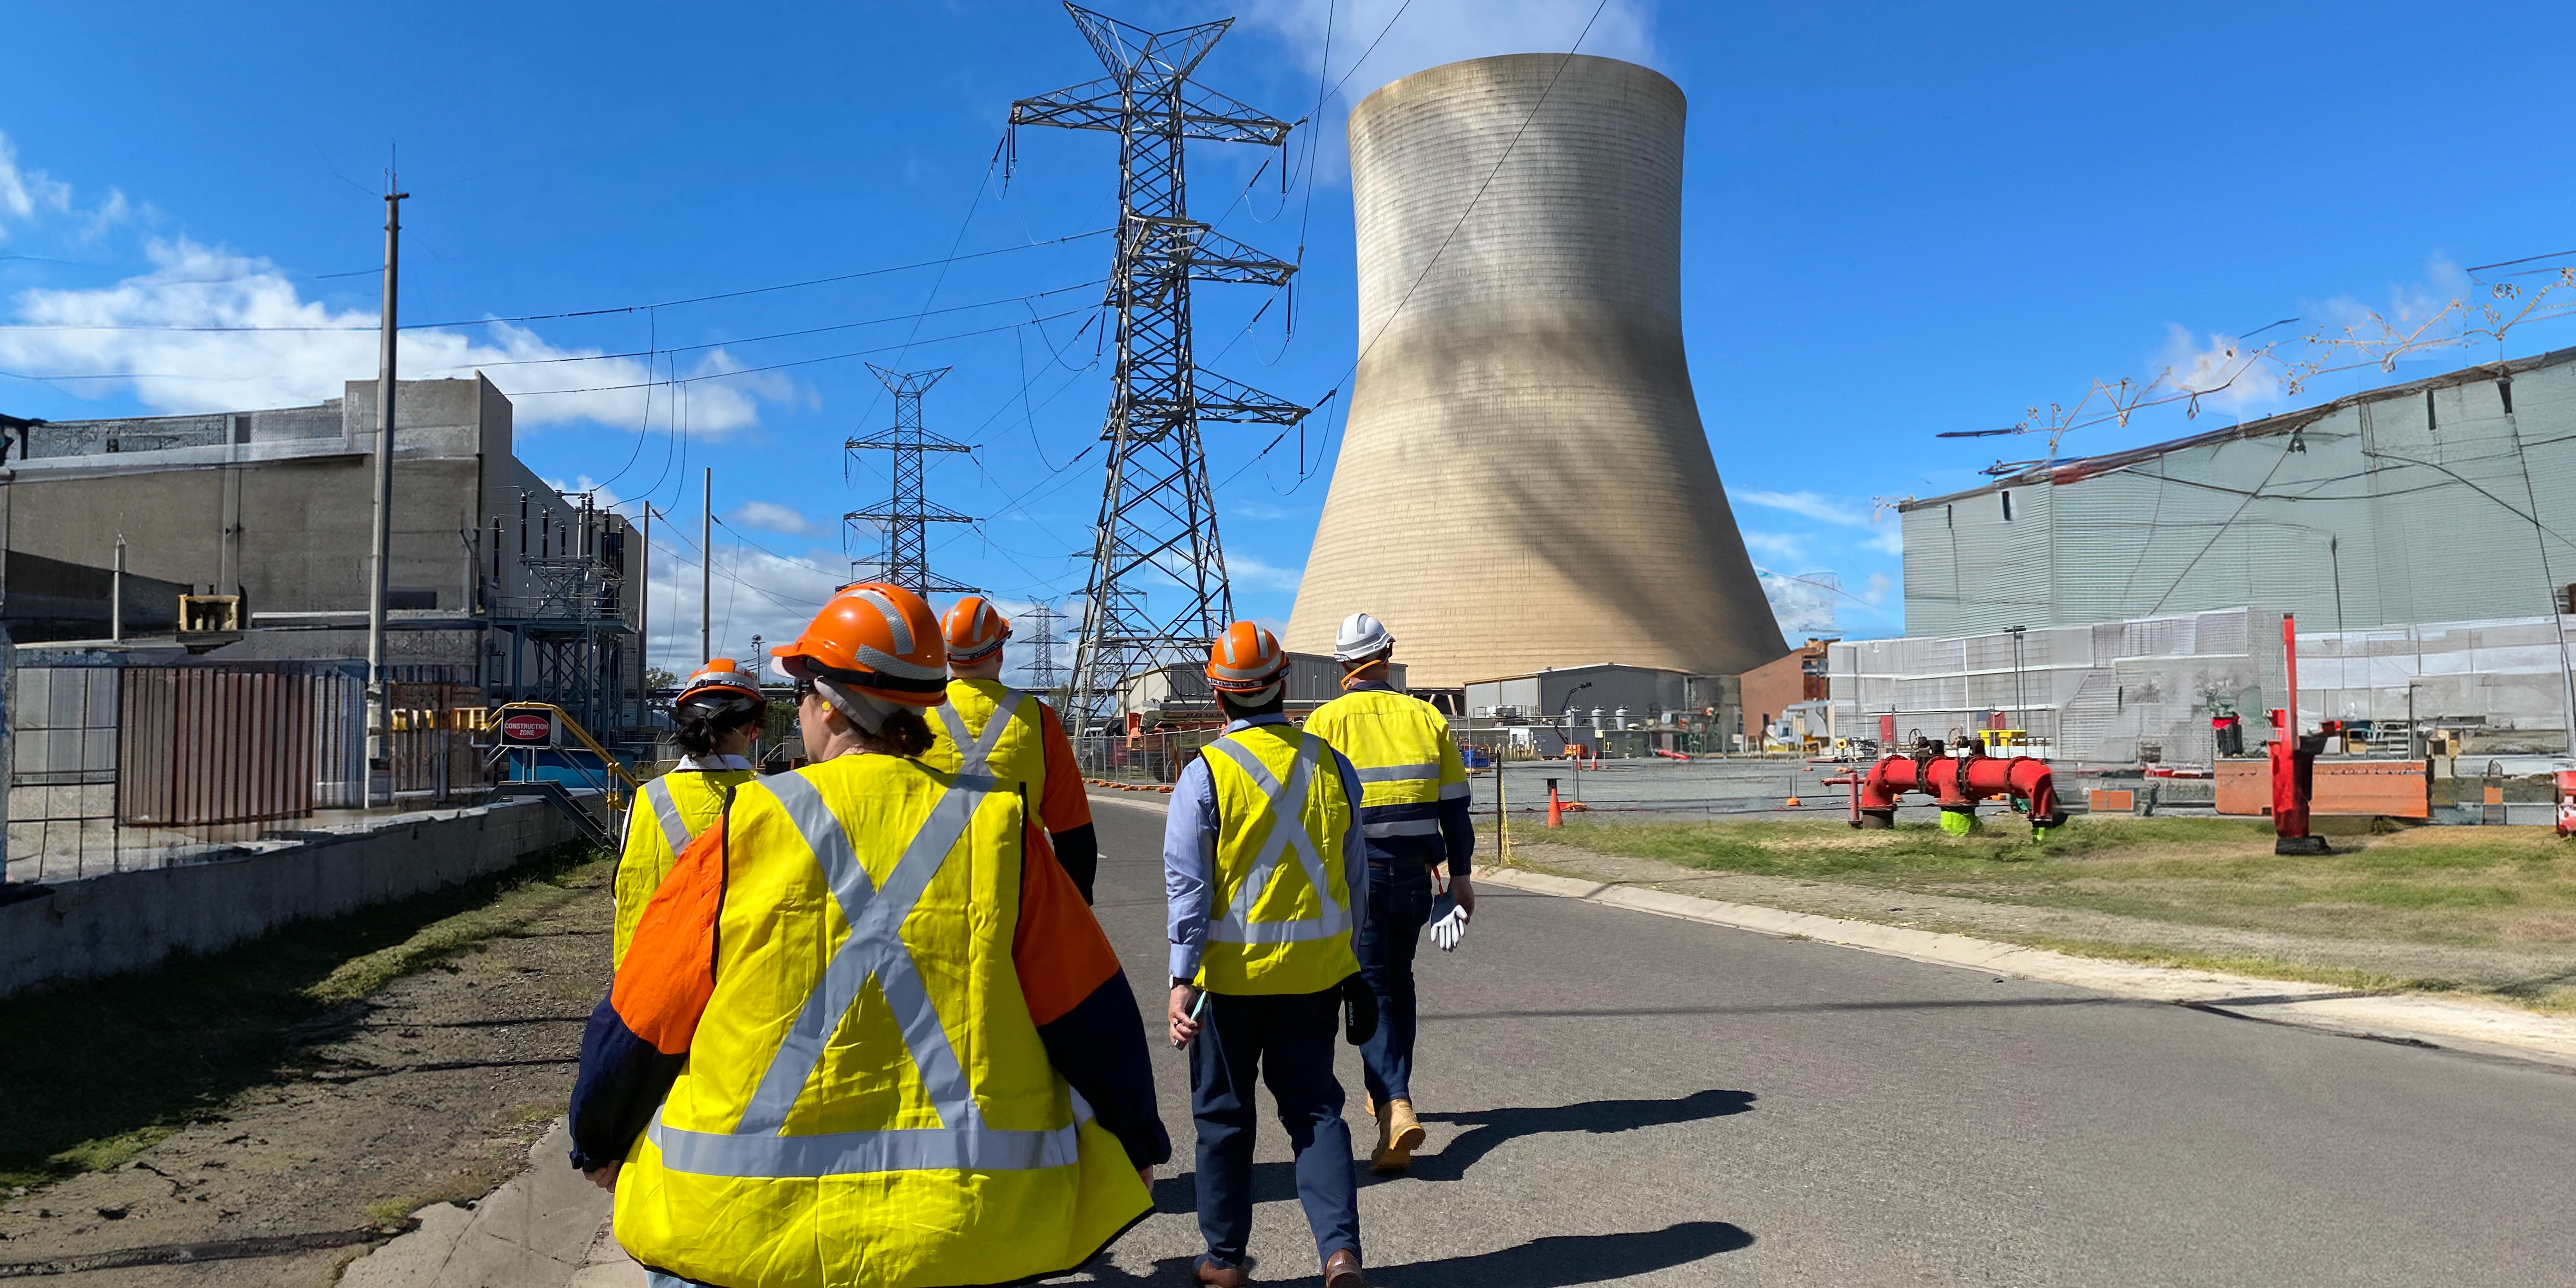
[{"x": 615, "y": 767}]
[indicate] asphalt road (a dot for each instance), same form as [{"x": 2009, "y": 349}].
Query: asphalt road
[{"x": 1614, "y": 1097}]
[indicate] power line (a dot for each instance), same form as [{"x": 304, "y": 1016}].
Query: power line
[
  {"x": 942, "y": 262},
  {"x": 800, "y": 362},
  {"x": 784, "y": 335}
]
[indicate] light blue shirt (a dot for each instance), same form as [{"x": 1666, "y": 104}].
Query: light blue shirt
[{"x": 1189, "y": 854}]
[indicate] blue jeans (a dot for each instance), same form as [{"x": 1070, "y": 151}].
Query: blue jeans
[
  {"x": 656, "y": 1279},
  {"x": 1399, "y": 901},
  {"x": 1286, "y": 1041}
]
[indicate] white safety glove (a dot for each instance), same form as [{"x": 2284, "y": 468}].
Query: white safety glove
[{"x": 1447, "y": 931}]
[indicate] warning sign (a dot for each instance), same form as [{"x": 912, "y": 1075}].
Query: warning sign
[{"x": 528, "y": 729}]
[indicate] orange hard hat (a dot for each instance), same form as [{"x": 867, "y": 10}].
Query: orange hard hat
[
  {"x": 720, "y": 680},
  {"x": 879, "y": 638},
  {"x": 1246, "y": 659},
  {"x": 974, "y": 629}
]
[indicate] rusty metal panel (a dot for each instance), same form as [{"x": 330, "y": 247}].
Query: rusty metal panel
[
  {"x": 2387, "y": 788},
  {"x": 2245, "y": 787},
  {"x": 209, "y": 745}
]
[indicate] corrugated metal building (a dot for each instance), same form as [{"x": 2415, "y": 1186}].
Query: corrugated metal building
[{"x": 2444, "y": 500}]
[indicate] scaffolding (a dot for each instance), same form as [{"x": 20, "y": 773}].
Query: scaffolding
[{"x": 567, "y": 626}]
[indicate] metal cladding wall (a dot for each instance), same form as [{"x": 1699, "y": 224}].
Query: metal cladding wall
[
  {"x": 1524, "y": 480},
  {"x": 2415, "y": 503}
]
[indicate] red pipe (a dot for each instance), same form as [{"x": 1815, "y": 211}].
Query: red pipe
[{"x": 1957, "y": 784}]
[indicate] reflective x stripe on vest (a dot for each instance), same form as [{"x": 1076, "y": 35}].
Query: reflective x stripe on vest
[
  {"x": 757, "y": 1147},
  {"x": 979, "y": 750},
  {"x": 666, "y": 811},
  {"x": 1233, "y": 924}
]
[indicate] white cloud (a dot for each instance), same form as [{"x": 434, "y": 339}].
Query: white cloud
[
  {"x": 770, "y": 517},
  {"x": 1879, "y": 585},
  {"x": 2226, "y": 374},
  {"x": 1803, "y": 604},
  {"x": 1432, "y": 32},
  {"x": 1244, "y": 569},
  {"x": 214, "y": 370},
  {"x": 25, "y": 192},
  {"x": 1888, "y": 540},
  {"x": 1785, "y": 547},
  {"x": 1814, "y": 505},
  {"x": 755, "y": 593}
]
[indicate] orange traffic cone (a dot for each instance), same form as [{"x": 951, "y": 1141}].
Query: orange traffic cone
[{"x": 1555, "y": 807}]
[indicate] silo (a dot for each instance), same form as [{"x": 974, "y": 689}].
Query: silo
[{"x": 1524, "y": 481}]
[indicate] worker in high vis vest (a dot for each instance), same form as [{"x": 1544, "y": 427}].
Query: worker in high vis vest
[
  {"x": 1413, "y": 811},
  {"x": 717, "y": 717},
  {"x": 1010, "y": 735},
  {"x": 867, "y": 1032},
  {"x": 1267, "y": 885}
]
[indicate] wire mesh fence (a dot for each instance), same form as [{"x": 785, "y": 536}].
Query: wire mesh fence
[{"x": 122, "y": 767}]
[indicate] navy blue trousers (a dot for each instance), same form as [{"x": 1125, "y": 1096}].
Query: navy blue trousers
[
  {"x": 1399, "y": 900},
  {"x": 1286, "y": 1042}
]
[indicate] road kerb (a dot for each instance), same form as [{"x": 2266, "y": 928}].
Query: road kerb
[{"x": 2483, "y": 1028}]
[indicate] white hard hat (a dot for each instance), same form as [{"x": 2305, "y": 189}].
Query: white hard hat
[{"x": 1361, "y": 636}]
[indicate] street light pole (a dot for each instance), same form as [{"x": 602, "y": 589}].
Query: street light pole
[
  {"x": 706, "y": 569},
  {"x": 379, "y": 699}
]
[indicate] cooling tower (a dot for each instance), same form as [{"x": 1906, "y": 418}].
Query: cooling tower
[{"x": 1524, "y": 481}]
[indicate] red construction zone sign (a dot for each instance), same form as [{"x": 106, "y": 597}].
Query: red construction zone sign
[{"x": 528, "y": 729}]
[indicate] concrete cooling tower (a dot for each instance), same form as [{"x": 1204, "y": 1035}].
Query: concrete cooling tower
[{"x": 1524, "y": 481}]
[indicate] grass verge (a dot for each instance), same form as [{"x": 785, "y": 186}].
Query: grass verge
[
  {"x": 93, "y": 1073},
  {"x": 2476, "y": 904}
]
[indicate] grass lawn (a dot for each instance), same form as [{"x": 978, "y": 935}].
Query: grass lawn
[{"x": 2510, "y": 889}]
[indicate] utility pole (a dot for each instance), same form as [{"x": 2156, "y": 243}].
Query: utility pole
[
  {"x": 1044, "y": 674},
  {"x": 707, "y": 569},
  {"x": 1157, "y": 523},
  {"x": 904, "y": 522},
  {"x": 379, "y": 695},
  {"x": 116, "y": 608},
  {"x": 644, "y": 621}
]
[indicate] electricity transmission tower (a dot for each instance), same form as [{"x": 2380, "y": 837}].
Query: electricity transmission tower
[
  {"x": 1157, "y": 513},
  {"x": 1044, "y": 675},
  {"x": 903, "y": 522}
]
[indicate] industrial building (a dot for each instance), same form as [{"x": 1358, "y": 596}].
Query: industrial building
[
  {"x": 1609, "y": 707},
  {"x": 1524, "y": 480},
  {"x": 2451, "y": 499},
  {"x": 2114, "y": 606},
  {"x": 499, "y": 582}
]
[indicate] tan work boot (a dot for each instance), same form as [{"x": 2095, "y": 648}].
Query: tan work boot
[{"x": 1399, "y": 1133}]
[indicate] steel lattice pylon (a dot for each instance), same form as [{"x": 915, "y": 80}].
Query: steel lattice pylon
[
  {"x": 903, "y": 522},
  {"x": 1157, "y": 513},
  {"x": 1045, "y": 675}
]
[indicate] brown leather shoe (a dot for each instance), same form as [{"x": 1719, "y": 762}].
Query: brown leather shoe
[
  {"x": 1342, "y": 1270},
  {"x": 1216, "y": 1273}
]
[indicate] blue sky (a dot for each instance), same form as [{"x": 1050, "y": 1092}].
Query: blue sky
[{"x": 1898, "y": 221}]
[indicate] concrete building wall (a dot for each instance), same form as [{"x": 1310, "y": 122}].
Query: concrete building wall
[
  {"x": 1524, "y": 480},
  {"x": 2409, "y": 504},
  {"x": 133, "y": 920}
]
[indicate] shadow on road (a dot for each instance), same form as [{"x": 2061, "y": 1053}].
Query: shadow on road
[
  {"x": 1487, "y": 1130},
  {"x": 1558, "y": 1261}
]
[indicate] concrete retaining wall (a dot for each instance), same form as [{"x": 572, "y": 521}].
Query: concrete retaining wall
[{"x": 132, "y": 920}]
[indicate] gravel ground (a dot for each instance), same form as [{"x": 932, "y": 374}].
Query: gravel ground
[{"x": 431, "y": 1090}]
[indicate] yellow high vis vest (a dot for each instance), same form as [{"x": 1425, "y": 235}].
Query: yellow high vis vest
[
  {"x": 1405, "y": 755},
  {"x": 1281, "y": 920},
  {"x": 666, "y": 814},
  {"x": 867, "y": 1100},
  {"x": 993, "y": 726}
]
